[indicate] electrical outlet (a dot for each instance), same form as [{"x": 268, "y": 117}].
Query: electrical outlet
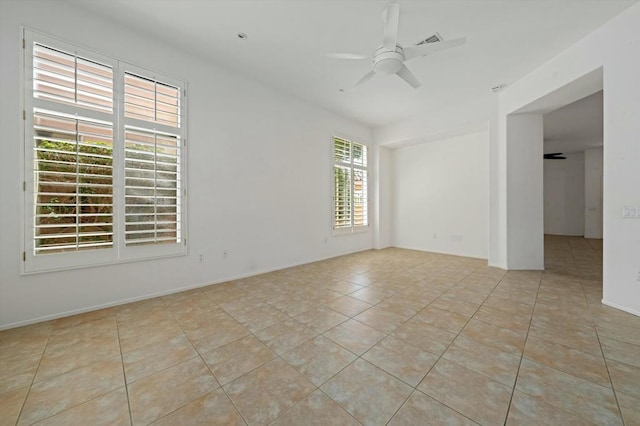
[
  {"x": 629, "y": 212},
  {"x": 201, "y": 258},
  {"x": 638, "y": 277},
  {"x": 225, "y": 254},
  {"x": 435, "y": 236}
]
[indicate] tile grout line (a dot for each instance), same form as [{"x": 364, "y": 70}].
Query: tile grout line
[
  {"x": 124, "y": 373},
  {"x": 208, "y": 367},
  {"x": 604, "y": 358},
  {"x": 277, "y": 356},
  {"x": 515, "y": 383},
  {"x": 454, "y": 339},
  {"x": 357, "y": 357},
  {"x": 613, "y": 390},
  {"x": 60, "y": 374},
  {"x": 166, "y": 307},
  {"x": 591, "y": 318},
  {"x": 322, "y": 334},
  {"x": 26, "y": 397},
  {"x": 555, "y": 368},
  {"x": 317, "y": 388},
  {"x": 415, "y": 388},
  {"x": 252, "y": 334},
  {"x": 336, "y": 402},
  {"x": 336, "y": 343}
]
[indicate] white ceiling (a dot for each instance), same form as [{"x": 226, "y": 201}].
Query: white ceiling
[
  {"x": 575, "y": 127},
  {"x": 287, "y": 41}
]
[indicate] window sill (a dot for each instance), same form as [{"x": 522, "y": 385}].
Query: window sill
[
  {"x": 43, "y": 264},
  {"x": 350, "y": 231}
]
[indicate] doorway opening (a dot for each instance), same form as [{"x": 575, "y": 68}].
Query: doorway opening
[
  {"x": 526, "y": 146},
  {"x": 572, "y": 173}
]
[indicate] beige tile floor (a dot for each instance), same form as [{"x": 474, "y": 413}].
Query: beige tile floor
[{"x": 380, "y": 337}]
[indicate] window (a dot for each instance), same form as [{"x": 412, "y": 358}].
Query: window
[
  {"x": 152, "y": 145},
  {"x": 104, "y": 159},
  {"x": 350, "y": 203}
]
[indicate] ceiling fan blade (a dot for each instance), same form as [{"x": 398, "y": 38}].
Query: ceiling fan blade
[
  {"x": 391, "y": 17},
  {"x": 353, "y": 56},
  {"x": 364, "y": 79},
  {"x": 554, "y": 156},
  {"x": 429, "y": 48},
  {"x": 408, "y": 76}
]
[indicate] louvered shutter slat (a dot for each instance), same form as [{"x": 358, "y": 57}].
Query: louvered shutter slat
[
  {"x": 151, "y": 182},
  {"x": 73, "y": 179},
  {"x": 63, "y": 77}
]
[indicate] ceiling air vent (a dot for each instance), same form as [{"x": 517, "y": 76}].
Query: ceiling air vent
[{"x": 432, "y": 39}]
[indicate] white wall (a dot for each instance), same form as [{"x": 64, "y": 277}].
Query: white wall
[
  {"x": 440, "y": 123},
  {"x": 477, "y": 115},
  {"x": 441, "y": 196},
  {"x": 259, "y": 175},
  {"x": 564, "y": 195},
  {"x": 525, "y": 198},
  {"x": 383, "y": 196},
  {"x": 593, "y": 193},
  {"x": 621, "y": 67}
]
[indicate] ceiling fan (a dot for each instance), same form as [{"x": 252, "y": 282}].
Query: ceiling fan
[
  {"x": 390, "y": 57},
  {"x": 554, "y": 156}
]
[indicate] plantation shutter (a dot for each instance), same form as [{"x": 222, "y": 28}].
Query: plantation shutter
[
  {"x": 153, "y": 140},
  {"x": 350, "y": 185},
  {"x": 66, "y": 78},
  {"x": 105, "y": 159},
  {"x": 360, "y": 207},
  {"x": 72, "y": 159},
  {"x": 342, "y": 197},
  {"x": 359, "y": 197}
]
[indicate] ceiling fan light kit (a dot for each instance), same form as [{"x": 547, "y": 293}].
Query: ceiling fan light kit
[
  {"x": 387, "y": 62},
  {"x": 390, "y": 57}
]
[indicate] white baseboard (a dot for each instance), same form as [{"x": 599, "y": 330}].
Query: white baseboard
[
  {"x": 471, "y": 256},
  {"x": 496, "y": 265},
  {"x": 162, "y": 293},
  {"x": 622, "y": 308}
]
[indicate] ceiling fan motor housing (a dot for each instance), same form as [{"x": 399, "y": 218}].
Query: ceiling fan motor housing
[{"x": 387, "y": 61}]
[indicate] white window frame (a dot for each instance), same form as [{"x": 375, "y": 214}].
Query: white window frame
[
  {"x": 119, "y": 252},
  {"x": 365, "y": 168}
]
